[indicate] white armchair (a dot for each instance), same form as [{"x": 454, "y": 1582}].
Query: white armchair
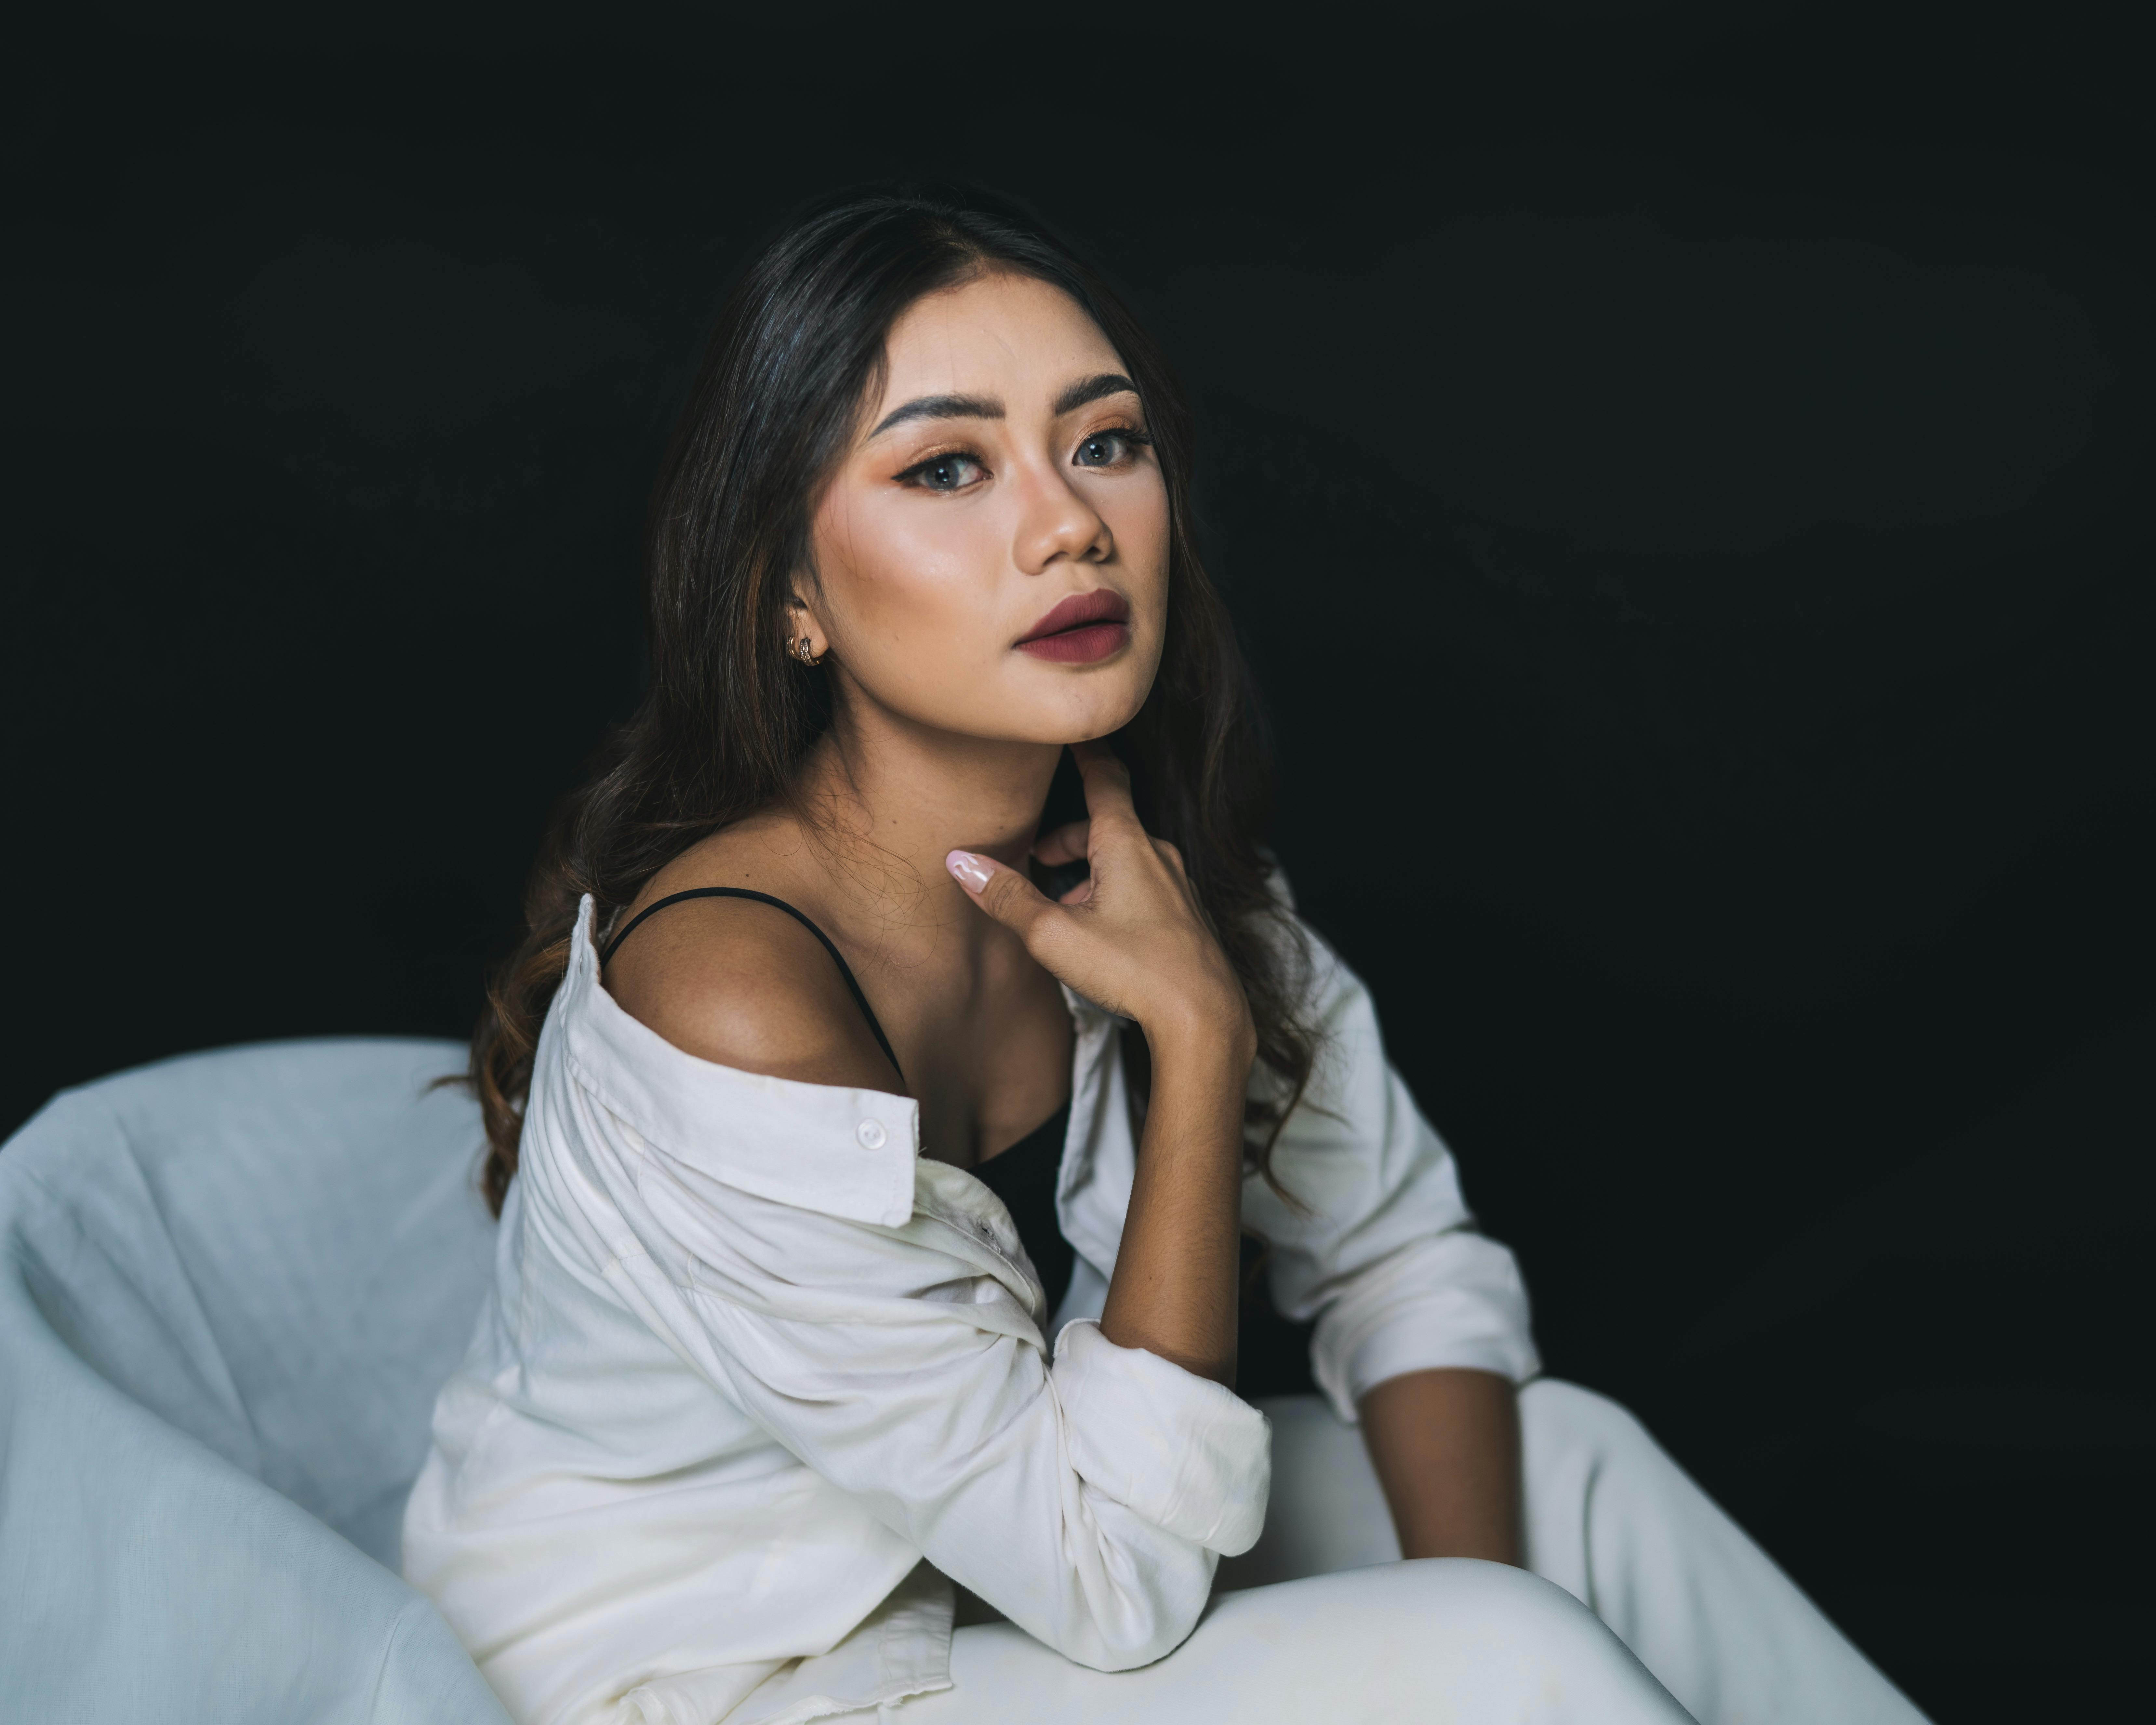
[{"x": 229, "y": 1286}]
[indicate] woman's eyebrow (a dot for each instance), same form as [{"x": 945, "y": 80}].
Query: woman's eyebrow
[
  {"x": 942, "y": 407},
  {"x": 1091, "y": 389},
  {"x": 1074, "y": 396}
]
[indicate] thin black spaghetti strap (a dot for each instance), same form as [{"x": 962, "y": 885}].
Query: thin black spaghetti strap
[{"x": 837, "y": 959}]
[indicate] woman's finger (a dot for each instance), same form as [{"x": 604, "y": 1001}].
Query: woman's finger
[
  {"x": 1065, "y": 845},
  {"x": 1004, "y": 893},
  {"x": 1107, "y": 789}
]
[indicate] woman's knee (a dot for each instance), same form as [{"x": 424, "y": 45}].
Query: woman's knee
[
  {"x": 1554, "y": 1404},
  {"x": 1561, "y": 1423},
  {"x": 1496, "y": 1606},
  {"x": 1495, "y": 1641},
  {"x": 1448, "y": 1638},
  {"x": 1463, "y": 1599}
]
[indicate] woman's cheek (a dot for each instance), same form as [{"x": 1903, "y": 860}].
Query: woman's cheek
[
  {"x": 925, "y": 550},
  {"x": 929, "y": 610},
  {"x": 1139, "y": 518}
]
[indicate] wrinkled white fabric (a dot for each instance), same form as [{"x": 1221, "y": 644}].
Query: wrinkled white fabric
[
  {"x": 749, "y": 1360},
  {"x": 1444, "y": 1641},
  {"x": 1609, "y": 1518}
]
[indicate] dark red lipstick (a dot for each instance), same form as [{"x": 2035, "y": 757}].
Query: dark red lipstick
[{"x": 1084, "y": 627}]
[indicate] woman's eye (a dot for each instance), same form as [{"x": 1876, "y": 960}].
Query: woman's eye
[
  {"x": 1105, "y": 448},
  {"x": 944, "y": 473}
]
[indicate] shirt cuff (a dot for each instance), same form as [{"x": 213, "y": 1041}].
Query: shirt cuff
[
  {"x": 1188, "y": 1456},
  {"x": 1354, "y": 1351}
]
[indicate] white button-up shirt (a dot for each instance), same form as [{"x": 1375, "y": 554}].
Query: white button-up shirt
[{"x": 755, "y": 1377}]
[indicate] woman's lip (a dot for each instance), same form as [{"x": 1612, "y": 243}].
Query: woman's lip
[
  {"x": 1079, "y": 646},
  {"x": 1075, "y": 613}
]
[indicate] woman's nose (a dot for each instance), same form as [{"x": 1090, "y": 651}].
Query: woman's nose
[{"x": 1059, "y": 522}]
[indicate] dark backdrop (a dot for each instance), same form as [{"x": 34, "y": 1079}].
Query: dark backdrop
[{"x": 1684, "y": 484}]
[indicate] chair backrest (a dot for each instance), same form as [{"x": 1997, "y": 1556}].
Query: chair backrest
[{"x": 279, "y": 1250}]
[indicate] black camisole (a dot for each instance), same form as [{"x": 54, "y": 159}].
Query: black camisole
[{"x": 1023, "y": 1176}]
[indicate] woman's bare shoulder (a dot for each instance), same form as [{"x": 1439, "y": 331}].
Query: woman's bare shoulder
[{"x": 741, "y": 983}]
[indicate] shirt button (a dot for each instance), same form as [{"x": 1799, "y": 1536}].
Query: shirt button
[{"x": 870, "y": 1133}]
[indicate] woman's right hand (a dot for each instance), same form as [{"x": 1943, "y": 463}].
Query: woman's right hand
[{"x": 1132, "y": 938}]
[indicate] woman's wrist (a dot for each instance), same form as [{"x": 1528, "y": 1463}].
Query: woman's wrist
[
  {"x": 1198, "y": 1034},
  {"x": 1202, "y": 1051}
]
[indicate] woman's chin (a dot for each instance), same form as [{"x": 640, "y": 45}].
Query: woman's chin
[
  {"x": 1103, "y": 720},
  {"x": 1023, "y": 700},
  {"x": 1079, "y": 703}
]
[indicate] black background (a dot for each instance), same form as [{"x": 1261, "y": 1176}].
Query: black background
[{"x": 1683, "y": 479}]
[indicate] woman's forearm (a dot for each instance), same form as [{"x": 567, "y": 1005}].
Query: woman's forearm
[
  {"x": 1446, "y": 1448},
  {"x": 1133, "y": 938},
  {"x": 1174, "y": 1289}
]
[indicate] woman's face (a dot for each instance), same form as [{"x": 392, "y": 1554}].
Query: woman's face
[{"x": 991, "y": 557}]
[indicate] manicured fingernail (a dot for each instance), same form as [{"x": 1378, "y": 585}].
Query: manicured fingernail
[{"x": 967, "y": 869}]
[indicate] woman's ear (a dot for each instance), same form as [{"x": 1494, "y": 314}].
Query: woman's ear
[{"x": 805, "y": 639}]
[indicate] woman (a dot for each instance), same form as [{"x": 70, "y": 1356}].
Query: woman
[{"x": 872, "y": 1165}]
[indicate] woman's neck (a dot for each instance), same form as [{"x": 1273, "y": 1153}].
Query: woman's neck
[{"x": 892, "y": 798}]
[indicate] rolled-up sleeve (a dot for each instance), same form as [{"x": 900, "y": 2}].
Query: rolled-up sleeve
[
  {"x": 1188, "y": 1456},
  {"x": 1087, "y": 1499},
  {"x": 1375, "y": 1241}
]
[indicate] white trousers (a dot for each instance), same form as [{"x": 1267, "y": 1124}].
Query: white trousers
[{"x": 1635, "y": 1571}]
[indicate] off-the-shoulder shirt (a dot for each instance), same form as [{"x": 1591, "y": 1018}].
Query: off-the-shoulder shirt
[{"x": 756, "y": 1380}]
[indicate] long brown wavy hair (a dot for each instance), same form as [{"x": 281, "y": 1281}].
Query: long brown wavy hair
[{"x": 729, "y": 718}]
